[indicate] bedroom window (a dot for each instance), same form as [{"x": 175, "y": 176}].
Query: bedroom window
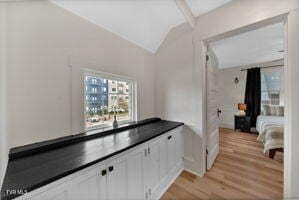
[
  {"x": 106, "y": 98},
  {"x": 272, "y": 86}
]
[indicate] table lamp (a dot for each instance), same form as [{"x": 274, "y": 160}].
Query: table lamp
[{"x": 242, "y": 108}]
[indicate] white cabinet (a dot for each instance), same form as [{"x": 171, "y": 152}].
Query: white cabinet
[
  {"x": 163, "y": 145},
  {"x": 179, "y": 151},
  {"x": 171, "y": 153},
  {"x": 144, "y": 172},
  {"x": 117, "y": 179},
  {"x": 137, "y": 174},
  {"x": 154, "y": 166},
  {"x": 127, "y": 176},
  {"x": 157, "y": 162},
  {"x": 59, "y": 192},
  {"x": 90, "y": 185},
  {"x": 165, "y": 161}
]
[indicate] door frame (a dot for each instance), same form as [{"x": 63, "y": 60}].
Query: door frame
[{"x": 289, "y": 65}]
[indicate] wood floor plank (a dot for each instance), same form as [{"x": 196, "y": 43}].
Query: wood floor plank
[{"x": 241, "y": 171}]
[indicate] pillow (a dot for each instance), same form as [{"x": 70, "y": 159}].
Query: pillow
[
  {"x": 279, "y": 110},
  {"x": 272, "y": 110},
  {"x": 265, "y": 110}
]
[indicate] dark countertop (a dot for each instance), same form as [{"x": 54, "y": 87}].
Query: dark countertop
[
  {"x": 39, "y": 147},
  {"x": 33, "y": 171}
]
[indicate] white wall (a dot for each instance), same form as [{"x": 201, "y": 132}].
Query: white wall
[
  {"x": 175, "y": 84},
  {"x": 42, "y": 39},
  {"x": 3, "y": 96},
  {"x": 242, "y": 15},
  {"x": 230, "y": 94}
]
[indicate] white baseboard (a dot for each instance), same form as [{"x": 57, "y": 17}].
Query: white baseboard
[
  {"x": 171, "y": 180},
  {"x": 224, "y": 125},
  {"x": 174, "y": 177},
  {"x": 195, "y": 173}
]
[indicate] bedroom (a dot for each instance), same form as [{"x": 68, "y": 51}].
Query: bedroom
[
  {"x": 251, "y": 84},
  {"x": 245, "y": 92}
]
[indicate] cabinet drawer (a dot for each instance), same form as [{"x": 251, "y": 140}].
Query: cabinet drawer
[{"x": 242, "y": 123}]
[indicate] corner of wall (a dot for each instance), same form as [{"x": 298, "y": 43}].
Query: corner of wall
[
  {"x": 291, "y": 149},
  {"x": 3, "y": 96}
]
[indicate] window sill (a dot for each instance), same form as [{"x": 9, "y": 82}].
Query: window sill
[{"x": 108, "y": 126}]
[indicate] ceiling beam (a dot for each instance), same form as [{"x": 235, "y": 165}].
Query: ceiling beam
[{"x": 186, "y": 11}]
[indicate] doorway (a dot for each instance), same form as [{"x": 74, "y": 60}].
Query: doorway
[{"x": 229, "y": 130}]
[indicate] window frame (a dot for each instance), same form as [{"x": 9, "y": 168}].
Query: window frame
[
  {"x": 108, "y": 76},
  {"x": 279, "y": 70}
]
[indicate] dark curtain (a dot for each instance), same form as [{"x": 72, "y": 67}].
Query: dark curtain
[{"x": 253, "y": 94}]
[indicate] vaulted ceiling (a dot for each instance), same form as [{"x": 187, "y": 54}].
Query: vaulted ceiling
[
  {"x": 142, "y": 22},
  {"x": 257, "y": 46}
]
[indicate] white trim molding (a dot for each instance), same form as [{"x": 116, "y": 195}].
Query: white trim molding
[
  {"x": 291, "y": 136},
  {"x": 109, "y": 76},
  {"x": 186, "y": 12},
  {"x": 78, "y": 71}
]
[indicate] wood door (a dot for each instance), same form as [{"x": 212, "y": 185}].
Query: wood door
[
  {"x": 91, "y": 186},
  {"x": 212, "y": 137}
]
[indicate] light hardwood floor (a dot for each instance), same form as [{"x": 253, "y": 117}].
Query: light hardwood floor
[{"x": 241, "y": 171}]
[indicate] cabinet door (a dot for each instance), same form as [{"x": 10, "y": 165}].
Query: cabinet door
[
  {"x": 136, "y": 174},
  {"x": 154, "y": 167},
  {"x": 59, "y": 192},
  {"x": 117, "y": 179},
  {"x": 179, "y": 146},
  {"x": 127, "y": 176},
  {"x": 91, "y": 185},
  {"x": 157, "y": 166},
  {"x": 163, "y": 150},
  {"x": 171, "y": 161}
]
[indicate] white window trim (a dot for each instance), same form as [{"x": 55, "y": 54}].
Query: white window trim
[
  {"x": 279, "y": 70},
  {"x": 105, "y": 75}
]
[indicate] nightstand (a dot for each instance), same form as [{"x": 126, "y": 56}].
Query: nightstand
[{"x": 242, "y": 123}]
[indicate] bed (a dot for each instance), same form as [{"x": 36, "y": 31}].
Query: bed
[{"x": 270, "y": 129}]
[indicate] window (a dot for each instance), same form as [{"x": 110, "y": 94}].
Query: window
[
  {"x": 272, "y": 86},
  {"x": 108, "y": 100}
]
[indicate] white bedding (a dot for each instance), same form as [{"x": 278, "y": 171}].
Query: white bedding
[{"x": 263, "y": 122}]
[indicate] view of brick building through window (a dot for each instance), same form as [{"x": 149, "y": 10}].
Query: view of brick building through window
[{"x": 103, "y": 98}]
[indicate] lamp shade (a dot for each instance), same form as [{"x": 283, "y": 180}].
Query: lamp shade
[{"x": 242, "y": 106}]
